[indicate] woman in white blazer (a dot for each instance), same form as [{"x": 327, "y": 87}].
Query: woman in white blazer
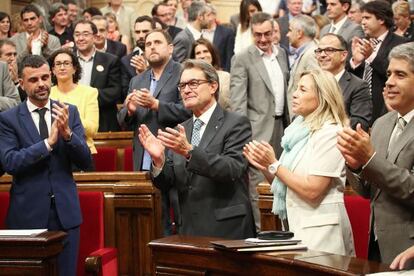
[{"x": 309, "y": 179}]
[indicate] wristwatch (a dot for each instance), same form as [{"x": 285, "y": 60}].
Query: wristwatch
[{"x": 273, "y": 167}]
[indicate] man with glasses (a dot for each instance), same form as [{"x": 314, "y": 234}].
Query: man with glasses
[
  {"x": 154, "y": 100},
  {"x": 8, "y": 54},
  {"x": 331, "y": 55},
  {"x": 258, "y": 86},
  {"x": 99, "y": 70},
  {"x": 103, "y": 44},
  {"x": 204, "y": 161}
]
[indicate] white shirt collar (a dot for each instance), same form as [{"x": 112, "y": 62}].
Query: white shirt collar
[
  {"x": 205, "y": 117},
  {"x": 339, "y": 75},
  {"x": 196, "y": 34},
  {"x": 339, "y": 24},
  {"x": 407, "y": 117},
  {"x": 33, "y": 107},
  {"x": 275, "y": 51}
]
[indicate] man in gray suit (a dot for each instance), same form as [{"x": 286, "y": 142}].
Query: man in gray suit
[
  {"x": 34, "y": 40},
  {"x": 258, "y": 83},
  {"x": 337, "y": 11},
  {"x": 9, "y": 96},
  {"x": 301, "y": 34},
  {"x": 204, "y": 160},
  {"x": 154, "y": 100},
  {"x": 331, "y": 55},
  {"x": 380, "y": 167},
  {"x": 197, "y": 21}
]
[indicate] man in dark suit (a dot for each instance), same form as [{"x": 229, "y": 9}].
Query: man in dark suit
[
  {"x": 154, "y": 100},
  {"x": 294, "y": 8},
  {"x": 40, "y": 139},
  {"x": 197, "y": 21},
  {"x": 99, "y": 70},
  {"x": 162, "y": 12},
  {"x": 221, "y": 37},
  {"x": 380, "y": 167},
  {"x": 369, "y": 56},
  {"x": 135, "y": 62},
  {"x": 204, "y": 160},
  {"x": 331, "y": 55},
  {"x": 102, "y": 43}
]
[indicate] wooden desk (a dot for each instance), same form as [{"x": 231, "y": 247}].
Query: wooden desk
[
  {"x": 181, "y": 255},
  {"x": 30, "y": 255}
]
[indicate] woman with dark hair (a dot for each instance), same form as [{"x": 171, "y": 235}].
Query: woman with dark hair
[
  {"x": 5, "y": 25},
  {"x": 203, "y": 50},
  {"x": 66, "y": 74},
  {"x": 244, "y": 34}
]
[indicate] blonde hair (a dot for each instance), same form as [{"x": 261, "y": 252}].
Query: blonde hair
[
  {"x": 331, "y": 106},
  {"x": 401, "y": 8}
]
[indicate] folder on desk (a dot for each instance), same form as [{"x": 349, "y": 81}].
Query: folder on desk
[{"x": 246, "y": 246}]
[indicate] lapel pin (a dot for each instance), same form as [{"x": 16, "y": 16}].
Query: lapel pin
[{"x": 99, "y": 68}]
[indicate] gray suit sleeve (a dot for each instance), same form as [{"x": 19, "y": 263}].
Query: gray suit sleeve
[
  {"x": 9, "y": 95},
  {"x": 52, "y": 45},
  {"x": 238, "y": 86},
  {"x": 181, "y": 48}
]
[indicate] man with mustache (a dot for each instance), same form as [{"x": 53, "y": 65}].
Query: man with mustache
[
  {"x": 40, "y": 139},
  {"x": 154, "y": 99}
]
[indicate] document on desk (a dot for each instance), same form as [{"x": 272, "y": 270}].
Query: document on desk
[
  {"x": 250, "y": 246},
  {"x": 21, "y": 232}
]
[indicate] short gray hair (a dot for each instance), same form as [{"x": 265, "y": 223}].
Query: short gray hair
[
  {"x": 306, "y": 24},
  {"x": 405, "y": 52},
  {"x": 209, "y": 72},
  {"x": 196, "y": 8}
]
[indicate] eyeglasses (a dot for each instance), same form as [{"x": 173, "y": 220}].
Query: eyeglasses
[
  {"x": 327, "y": 51},
  {"x": 266, "y": 34},
  {"x": 193, "y": 84},
  {"x": 65, "y": 64},
  {"x": 84, "y": 34}
]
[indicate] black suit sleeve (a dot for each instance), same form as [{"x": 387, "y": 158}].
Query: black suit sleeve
[
  {"x": 360, "y": 110},
  {"x": 111, "y": 94}
]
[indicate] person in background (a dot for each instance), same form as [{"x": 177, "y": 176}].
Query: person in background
[
  {"x": 113, "y": 31},
  {"x": 163, "y": 13},
  {"x": 354, "y": 12},
  {"x": 34, "y": 40},
  {"x": 58, "y": 18},
  {"x": 8, "y": 54},
  {"x": 90, "y": 12},
  {"x": 244, "y": 34},
  {"x": 308, "y": 181},
  {"x": 294, "y": 8},
  {"x": 9, "y": 96},
  {"x": 73, "y": 12},
  {"x": 403, "y": 25},
  {"x": 176, "y": 21},
  {"x": 5, "y": 25},
  {"x": 321, "y": 21},
  {"x": 66, "y": 74},
  {"x": 203, "y": 50}
]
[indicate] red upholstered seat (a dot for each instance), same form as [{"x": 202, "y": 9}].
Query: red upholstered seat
[
  {"x": 105, "y": 159},
  {"x": 91, "y": 232},
  {"x": 358, "y": 209},
  {"x": 128, "y": 164}
]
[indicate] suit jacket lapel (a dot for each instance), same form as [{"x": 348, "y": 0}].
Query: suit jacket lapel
[
  {"x": 96, "y": 61},
  {"x": 165, "y": 76},
  {"x": 384, "y": 47},
  {"x": 402, "y": 140},
  {"x": 261, "y": 69},
  {"x": 214, "y": 124},
  {"x": 28, "y": 123}
]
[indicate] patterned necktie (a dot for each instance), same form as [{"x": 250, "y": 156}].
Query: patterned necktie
[
  {"x": 368, "y": 68},
  {"x": 400, "y": 125},
  {"x": 44, "y": 133},
  {"x": 195, "y": 139}
]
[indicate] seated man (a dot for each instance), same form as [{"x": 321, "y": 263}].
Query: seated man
[{"x": 210, "y": 173}]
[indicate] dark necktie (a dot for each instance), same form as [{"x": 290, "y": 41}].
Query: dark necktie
[
  {"x": 196, "y": 137},
  {"x": 368, "y": 68},
  {"x": 44, "y": 133}
]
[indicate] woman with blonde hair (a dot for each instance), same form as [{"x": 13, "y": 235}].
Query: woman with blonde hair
[
  {"x": 114, "y": 33},
  {"x": 309, "y": 180},
  {"x": 403, "y": 26}
]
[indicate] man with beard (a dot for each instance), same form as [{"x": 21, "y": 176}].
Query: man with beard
[
  {"x": 197, "y": 21},
  {"x": 58, "y": 17},
  {"x": 40, "y": 139},
  {"x": 135, "y": 62},
  {"x": 154, "y": 100}
]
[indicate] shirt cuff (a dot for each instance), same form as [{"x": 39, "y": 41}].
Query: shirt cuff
[
  {"x": 366, "y": 164},
  {"x": 353, "y": 65},
  {"x": 155, "y": 171},
  {"x": 49, "y": 148}
]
